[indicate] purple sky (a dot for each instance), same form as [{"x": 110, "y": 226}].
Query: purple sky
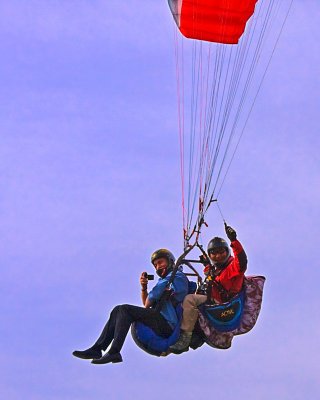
[{"x": 90, "y": 186}]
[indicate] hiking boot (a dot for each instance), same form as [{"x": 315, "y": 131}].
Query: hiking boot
[{"x": 182, "y": 344}]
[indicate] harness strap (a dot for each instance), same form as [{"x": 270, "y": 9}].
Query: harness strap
[
  {"x": 224, "y": 293},
  {"x": 167, "y": 293}
]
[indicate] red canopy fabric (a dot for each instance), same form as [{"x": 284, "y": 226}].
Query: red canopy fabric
[{"x": 221, "y": 21}]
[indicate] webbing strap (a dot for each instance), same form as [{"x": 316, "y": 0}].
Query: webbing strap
[{"x": 167, "y": 293}]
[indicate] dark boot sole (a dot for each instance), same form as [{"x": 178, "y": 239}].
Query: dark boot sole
[
  {"x": 179, "y": 351},
  {"x": 98, "y": 362},
  {"x": 85, "y": 357}
]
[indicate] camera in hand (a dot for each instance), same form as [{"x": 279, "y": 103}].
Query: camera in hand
[{"x": 149, "y": 277}]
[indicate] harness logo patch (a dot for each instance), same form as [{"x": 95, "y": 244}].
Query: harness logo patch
[{"x": 227, "y": 313}]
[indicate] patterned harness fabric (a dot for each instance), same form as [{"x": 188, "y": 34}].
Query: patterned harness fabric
[{"x": 253, "y": 291}]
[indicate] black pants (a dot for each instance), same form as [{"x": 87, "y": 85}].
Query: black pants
[{"x": 120, "y": 320}]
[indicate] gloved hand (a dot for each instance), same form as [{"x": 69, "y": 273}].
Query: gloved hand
[
  {"x": 231, "y": 233},
  {"x": 204, "y": 260}
]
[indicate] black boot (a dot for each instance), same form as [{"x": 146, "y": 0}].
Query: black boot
[
  {"x": 91, "y": 353},
  {"x": 107, "y": 358}
]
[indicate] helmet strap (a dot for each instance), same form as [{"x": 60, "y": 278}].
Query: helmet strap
[{"x": 162, "y": 272}]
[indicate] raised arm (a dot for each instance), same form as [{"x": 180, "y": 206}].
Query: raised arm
[{"x": 238, "y": 251}]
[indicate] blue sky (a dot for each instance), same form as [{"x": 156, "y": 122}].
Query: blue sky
[{"x": 90, "y": 186}]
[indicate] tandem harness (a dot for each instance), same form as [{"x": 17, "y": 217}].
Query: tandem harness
[
  {"x": 144, "y": 336},
  {"x": 224, "y": 317},
  {"x": 227, "y": 316}
]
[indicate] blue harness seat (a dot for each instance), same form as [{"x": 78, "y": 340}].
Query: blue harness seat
[
  {"x": 149, "y": 341},
  {"x": 227, "y": 316}
]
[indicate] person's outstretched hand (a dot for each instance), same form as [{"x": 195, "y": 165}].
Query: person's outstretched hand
[{"x": 231, "y": 233}]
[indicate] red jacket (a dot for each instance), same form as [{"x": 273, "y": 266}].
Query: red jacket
[{"x": 230, "y": 276}]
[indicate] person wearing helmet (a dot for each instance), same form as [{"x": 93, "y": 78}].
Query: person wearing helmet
[
  {"x": 224, "y": 278},
  {"x": 162, "y": 321}
]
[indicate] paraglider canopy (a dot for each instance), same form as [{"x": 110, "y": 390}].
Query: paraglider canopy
[{"x": 221, "y": 21}]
